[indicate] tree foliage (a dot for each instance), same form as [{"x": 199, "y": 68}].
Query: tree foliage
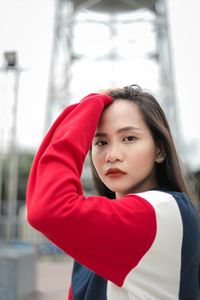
[{"x": 24, "y": 164}]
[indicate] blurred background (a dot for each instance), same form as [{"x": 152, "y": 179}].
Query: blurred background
[{"x": 53, "y": 53}]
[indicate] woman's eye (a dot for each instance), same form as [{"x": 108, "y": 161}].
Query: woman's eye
[
  {"x": 100, "y": 143},
  {"x": 129, "y": 138}
]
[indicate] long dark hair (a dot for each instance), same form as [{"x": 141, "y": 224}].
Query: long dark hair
[{"x": 168, "y": 173}]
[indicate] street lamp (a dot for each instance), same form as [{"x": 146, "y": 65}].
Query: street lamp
[
  {"x": 11, "y": 65},
  {"x": 10, "y": 59}
]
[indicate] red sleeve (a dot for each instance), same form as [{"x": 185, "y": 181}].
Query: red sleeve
[
  {"x": 70, "y": 293},
  {"x": 109, "y": 237}
]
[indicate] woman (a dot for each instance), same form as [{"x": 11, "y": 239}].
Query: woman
[{"x": 143, "y": 245}]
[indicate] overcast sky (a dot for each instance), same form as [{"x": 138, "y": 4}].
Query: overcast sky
[{"x": 26, "y": 26}]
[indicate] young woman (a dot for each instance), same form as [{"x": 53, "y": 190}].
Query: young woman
[{"x": 144, "y": 244}]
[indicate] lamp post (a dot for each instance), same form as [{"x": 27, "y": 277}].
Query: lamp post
[{"x": 11, "y": 65}]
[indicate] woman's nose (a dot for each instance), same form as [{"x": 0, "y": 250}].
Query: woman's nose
[{"x": 113, "y": 154}]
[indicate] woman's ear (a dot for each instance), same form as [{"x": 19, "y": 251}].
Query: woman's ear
[{"x": 160, "y": 155}]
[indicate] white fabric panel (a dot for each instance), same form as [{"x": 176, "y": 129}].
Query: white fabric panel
[
  {"x": 157, "y": 276},
  {"x": 116, "y": 293}
]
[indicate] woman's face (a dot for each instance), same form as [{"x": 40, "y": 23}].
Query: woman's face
[{"x": 123, "y": 150}]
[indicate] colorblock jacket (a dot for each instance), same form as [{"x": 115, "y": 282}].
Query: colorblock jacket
[{"x": 143, "y": 246}]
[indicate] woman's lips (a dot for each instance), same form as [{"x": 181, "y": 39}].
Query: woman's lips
[{"x": 114, "y": 172}]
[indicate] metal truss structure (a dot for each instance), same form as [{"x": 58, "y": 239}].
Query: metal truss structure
[{"x": 66, "y": 51}]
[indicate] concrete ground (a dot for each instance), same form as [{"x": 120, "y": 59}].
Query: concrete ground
[{"x": 53, "y": 278}]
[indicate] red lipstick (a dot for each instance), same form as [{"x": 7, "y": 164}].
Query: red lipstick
[{"x": 114, "y": 172}]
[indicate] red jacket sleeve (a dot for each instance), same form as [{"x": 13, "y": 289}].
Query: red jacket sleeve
[{"x": 109, "y": 237}]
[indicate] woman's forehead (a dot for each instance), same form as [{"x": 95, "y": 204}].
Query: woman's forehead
[{"x": 121, "y": 111}]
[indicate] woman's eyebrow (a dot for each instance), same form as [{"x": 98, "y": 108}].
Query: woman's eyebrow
[
  {"x": 128, "y": 128},
  {"x": 100, "y": 134}
]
